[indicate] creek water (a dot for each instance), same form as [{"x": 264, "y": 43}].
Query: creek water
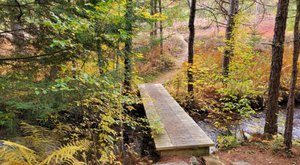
[{"x": 255, "y": 124}]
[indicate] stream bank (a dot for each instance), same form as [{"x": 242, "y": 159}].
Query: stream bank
[{"x": 254, "y": 124}]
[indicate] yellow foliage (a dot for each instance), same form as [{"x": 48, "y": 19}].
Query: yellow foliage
[
  {"x": 15, "y": 154},
  {"x": 66, "y": 153},
  {"x": 157, "y": 16},
  {"x": 14, "y": 162},
  {"x": 34, "y": 130}
]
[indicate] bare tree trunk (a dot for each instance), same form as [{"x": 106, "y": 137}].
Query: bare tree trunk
[
  {"x": 233, "y": 10},
  {"x": 271, "y": 126},
  {"x": 128, "y": 47},
  {"x": 100, "y": 57},
  {"x": 191, "y": 46},
  {"x": 161, "y": 29},
  {"x": 151, "y": 13},
  {"x": 288, "y": 133},
  {"x": 99, "y": 50},
  {"x": 155, "y": 11}
]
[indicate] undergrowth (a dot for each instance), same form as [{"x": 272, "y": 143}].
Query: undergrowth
[
  {"x": 153, "y": 64},
  {"x": 227, "y": 100}
]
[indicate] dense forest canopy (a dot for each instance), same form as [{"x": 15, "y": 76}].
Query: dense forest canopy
[{"x": 69, "y": 72}]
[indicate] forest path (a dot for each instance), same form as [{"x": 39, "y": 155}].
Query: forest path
[
  {"x": 178, "y": 42},
  {"x": 180, "y": 57}
]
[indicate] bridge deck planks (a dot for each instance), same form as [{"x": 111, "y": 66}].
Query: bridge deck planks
[{"x": 179, "y": 130}]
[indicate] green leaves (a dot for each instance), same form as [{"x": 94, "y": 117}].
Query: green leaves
[
  {"x": 227, "y": 142},
  {"x": 235, "y": 104},
  {"x": 59, "y": 43}
]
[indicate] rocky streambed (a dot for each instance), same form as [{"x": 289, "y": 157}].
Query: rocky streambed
[{"x": 254, "y": 124}]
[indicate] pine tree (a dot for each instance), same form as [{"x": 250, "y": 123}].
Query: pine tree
[
  {"x": 291, "y": 102},
  {"x": 271, "y": 126}
]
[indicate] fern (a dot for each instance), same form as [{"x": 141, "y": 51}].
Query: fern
[
  {"x": 66, "y": 153},
  {"x": 14, "y": 162},
  {"x": 43, "y": 132},
  {"x": 36, "y": 131},
  {"x": 41, "y": 139},
  {"x": 13, "y": 152}
]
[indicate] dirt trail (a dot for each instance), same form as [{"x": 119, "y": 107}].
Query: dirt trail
[
  {"x": 265, "y": 29},
  {"x": 179, "y": 43}
]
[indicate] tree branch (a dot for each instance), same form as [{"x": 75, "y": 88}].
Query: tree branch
[
  {"x": 32, "y": 57},
  {"x": 20, "y": 10}
]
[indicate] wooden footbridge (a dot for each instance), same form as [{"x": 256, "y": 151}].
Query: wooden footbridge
[{"x": 178, "y": 132}]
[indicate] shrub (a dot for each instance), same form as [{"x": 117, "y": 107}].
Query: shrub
[{"x": 227, "y": 142}]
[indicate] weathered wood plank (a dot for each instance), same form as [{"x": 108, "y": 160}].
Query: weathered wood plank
[{"x": 179, "y": 130}]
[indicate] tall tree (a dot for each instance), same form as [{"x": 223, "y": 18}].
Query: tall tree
[
  {"x": 291, "y": 102},
  {"x": 233, "y": 10},
  {"x": 161, "y": 29},
  {"x": 191, "y": 46},
  {"x": 271, "y": 126},
  {"x": 128, "y": 46},
  {"x": 153, "y": 11}
]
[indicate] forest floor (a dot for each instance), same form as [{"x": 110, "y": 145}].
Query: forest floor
[
  {"x": 250, "y": 153},
  {"x": 258, "y": 154}
]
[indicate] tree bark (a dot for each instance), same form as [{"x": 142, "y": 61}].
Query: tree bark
[
  {"x": 271, "y": 126},
  {"x": 100, "y": 62},
  {"x": 191, "y": 46},
  {"x": 100, "y": 57},
  {"x": 152, "y": 13},
  {"x": 161, "y": 29},
  {"x": 288, "y": 133},
  {"x": 233, "y": 10},
  {"x": 128, "y": 47},
  {"x": 155, "y": 11}
]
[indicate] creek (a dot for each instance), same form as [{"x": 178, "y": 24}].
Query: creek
[{"x": 254, "y": 124}]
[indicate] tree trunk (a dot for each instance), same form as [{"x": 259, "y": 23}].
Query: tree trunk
[
  {"x": 233, "y": 10},
  {"x": 291, "y": 103},
  {"x": 191, "y": 46},
  {"x": 128, "y": 47},
  {"x": 99, "y": 50},
  {"x": 100, "y": 58},
  {"x": 161, "y": 29},
  {"x": 155, "y": 11},
  {"x": 271, "y": 126},
  {"x": 151, "y": 13},
  {"x": 53, "y": 73}
]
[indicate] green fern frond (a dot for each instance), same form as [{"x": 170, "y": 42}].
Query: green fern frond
[
  {"x": 13, "y": 152},
  {"x": 66, "y": 153}
]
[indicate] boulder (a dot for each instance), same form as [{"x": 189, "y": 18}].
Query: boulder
[
  {"x": 172, "y": 163},
  {"x": 211, "y": 160},
  {"x": 194, "y": 161},
  {"x": 240, "y": 163}
]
